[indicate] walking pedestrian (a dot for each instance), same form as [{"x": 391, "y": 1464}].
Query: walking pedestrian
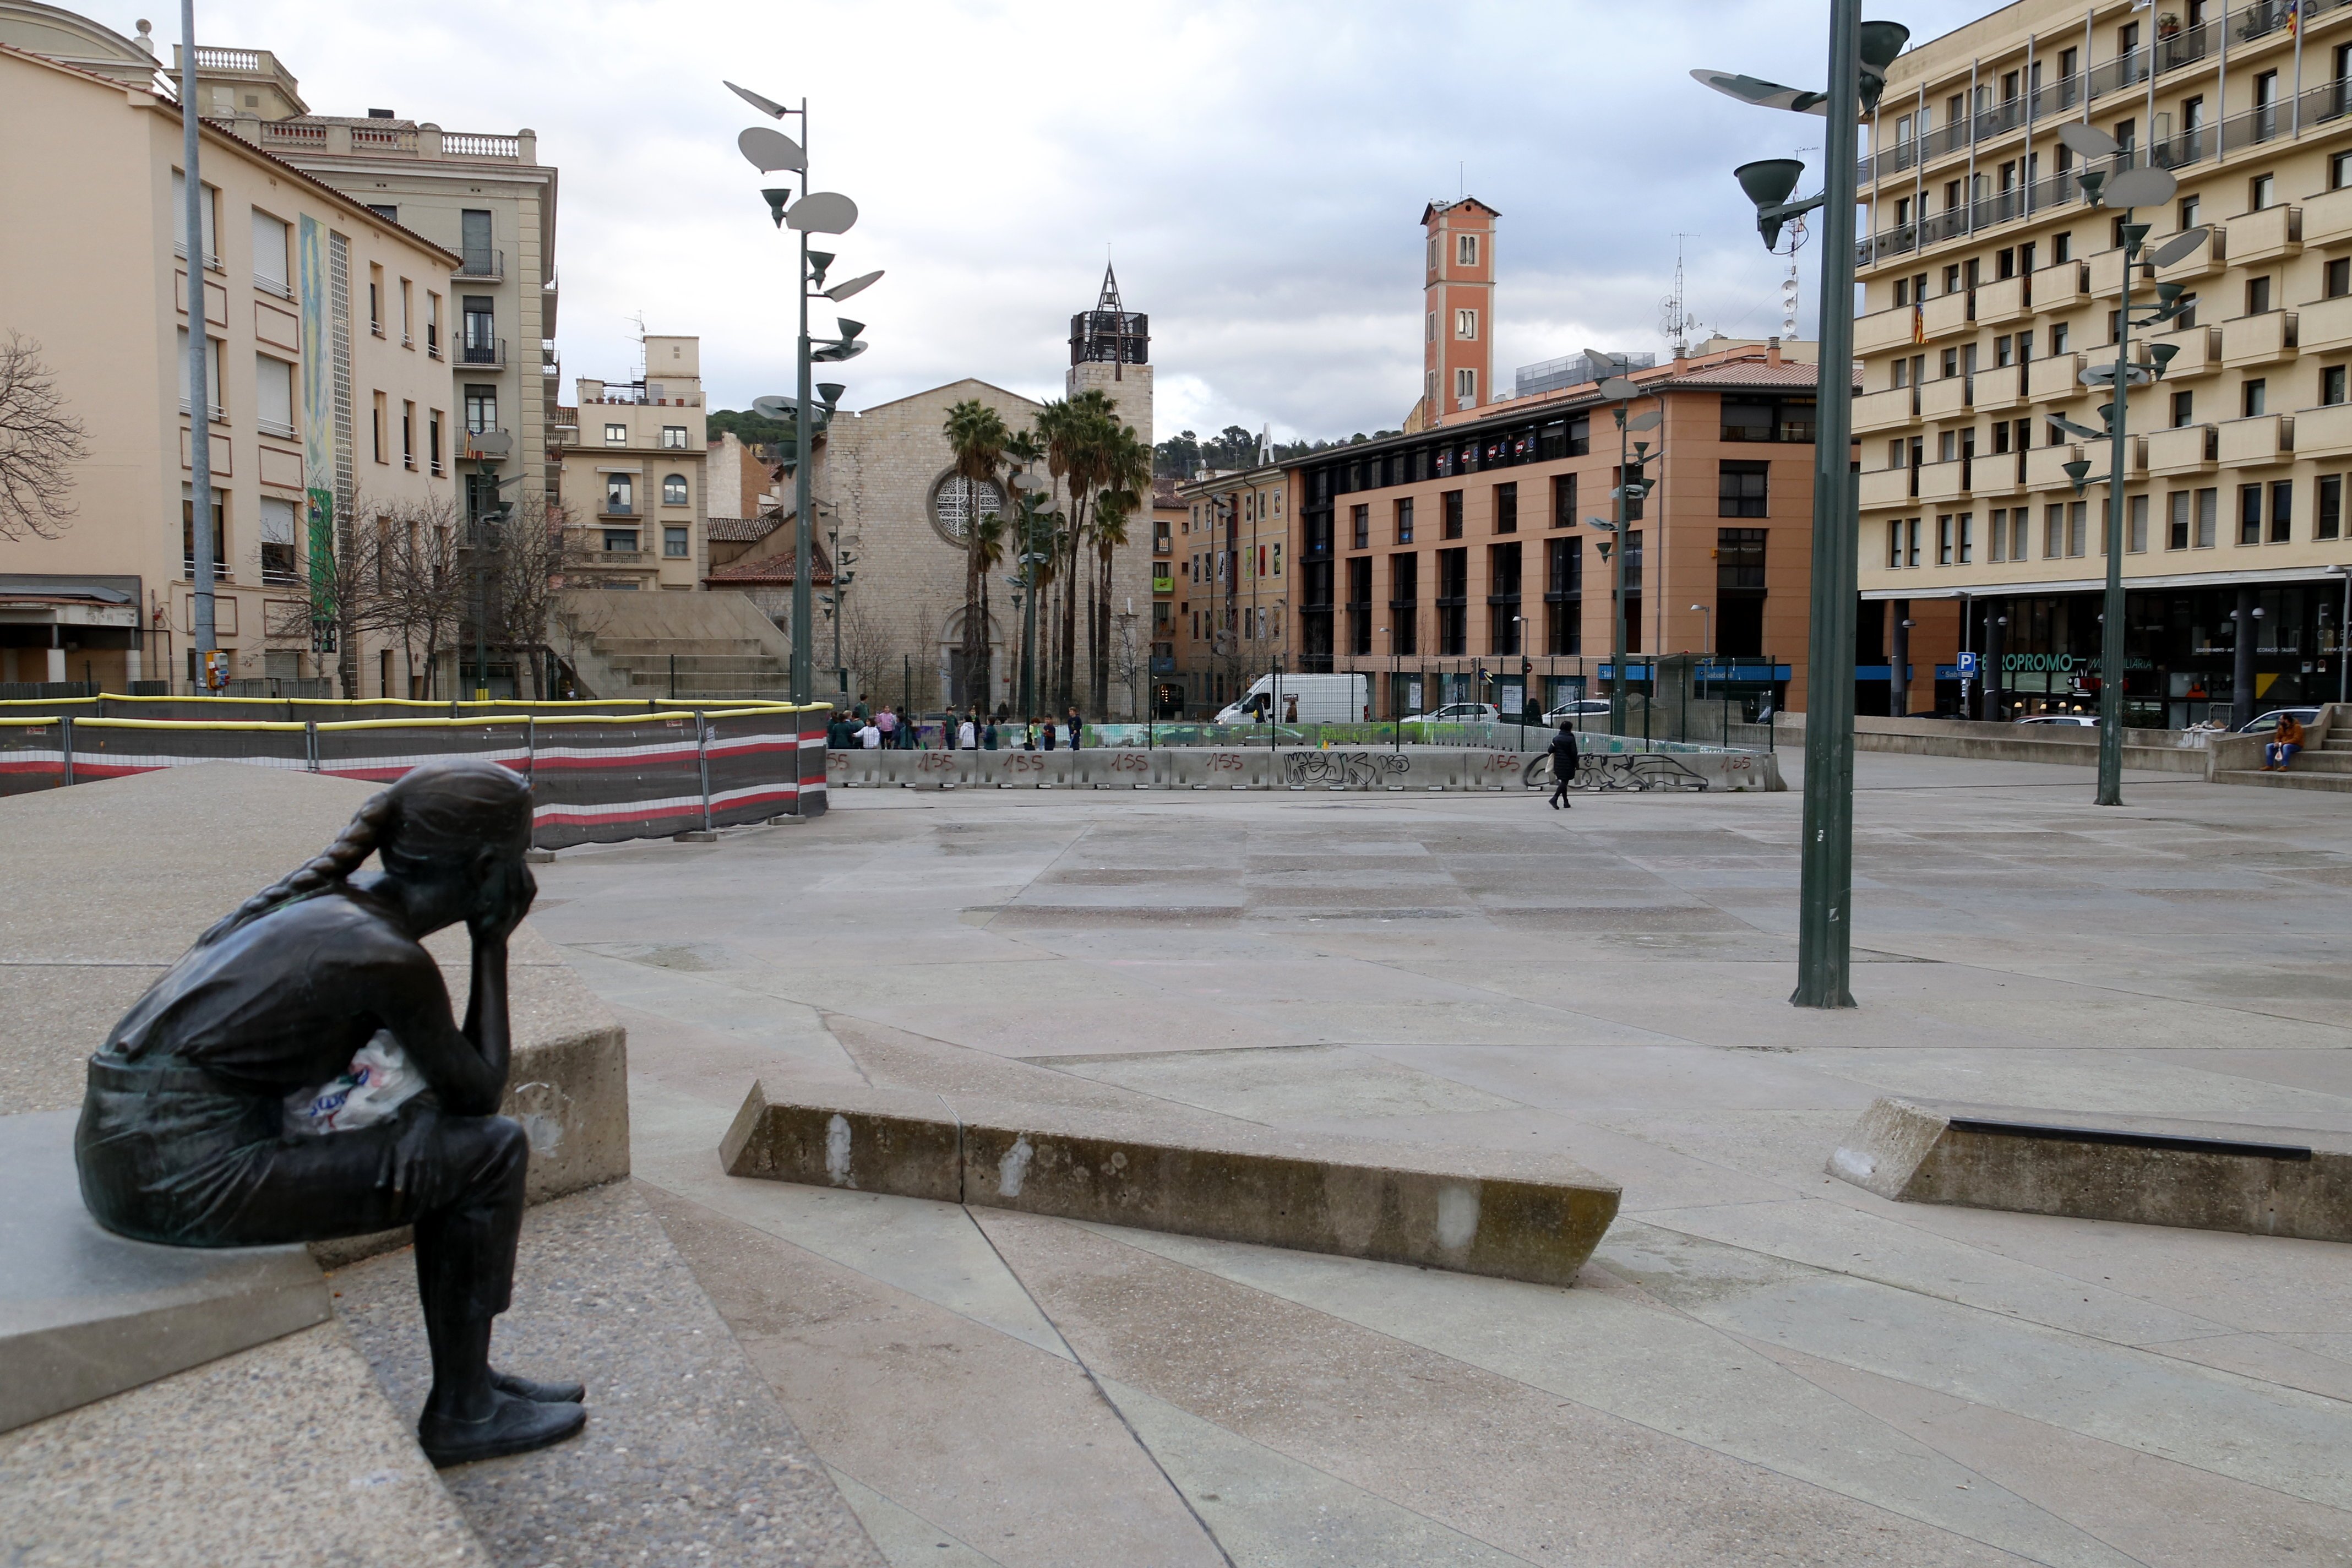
[{"x": 1563, "y": 765}]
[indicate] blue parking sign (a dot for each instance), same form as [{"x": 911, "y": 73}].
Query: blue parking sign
[{"x": 1969, "y": 670}]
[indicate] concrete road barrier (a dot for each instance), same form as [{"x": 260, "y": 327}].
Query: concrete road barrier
[
  {"x": 2200, "y": 1175},
  {"x": 1418, "y": 769},
  {"x": 1121, "y": 769},
  {"x": 1472, "y": 1211}
]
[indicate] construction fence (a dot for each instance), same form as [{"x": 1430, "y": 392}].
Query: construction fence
[{"x": 596, "y": 776}]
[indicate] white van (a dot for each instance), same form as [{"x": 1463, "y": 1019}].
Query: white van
[{"x": 1303, "y": 700}]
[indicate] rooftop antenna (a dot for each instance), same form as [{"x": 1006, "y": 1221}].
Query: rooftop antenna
[
  {"x": 638, "y": 320},
  {"x": 1675, "y": 321}
]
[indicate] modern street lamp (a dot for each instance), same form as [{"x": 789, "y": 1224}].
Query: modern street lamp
[
  {"x": 2130, "y": 189},
  {"x": 2343, "y": 636},
  {"x": 842, "y": 577},
  {"x": 210, "y": 667},
  {"x": 483, "y": 515},
  {"x": 1632, "y": 486},
  {"x": 818, "y": 212},
  {"x": 1859, "y": 54}
]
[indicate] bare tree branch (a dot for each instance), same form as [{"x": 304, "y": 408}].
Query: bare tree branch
[{"x": 39, "y": 444}]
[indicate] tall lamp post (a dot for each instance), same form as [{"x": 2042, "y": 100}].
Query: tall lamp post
[
  {"x": 842, "y": 578},
  {"x": 2130, "y": 189},
  {"x": 1632, "y": 486},
  {"x": 484, "y": 514},
  {"x": 1859, "y": 54},
  {"x": 211, "y": 670},
  {"x": 817, "y": 212}
]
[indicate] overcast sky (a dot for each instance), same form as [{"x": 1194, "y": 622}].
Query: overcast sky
[{"x": 1256, "y": 172}]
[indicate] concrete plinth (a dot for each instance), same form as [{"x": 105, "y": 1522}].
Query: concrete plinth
[
  {"x": 2202, "y": 1175},
  {"x": 1472, "y": 1212}
]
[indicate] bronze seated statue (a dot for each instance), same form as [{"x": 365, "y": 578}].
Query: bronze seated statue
[{"x": 184, "y": 1136}]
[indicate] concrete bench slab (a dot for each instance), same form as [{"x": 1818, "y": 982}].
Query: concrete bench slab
[
  {"x": 2200, "y": 1176},
  {"x": 85, "y": 1313},
  {"x": 1472, "y": 1212}
]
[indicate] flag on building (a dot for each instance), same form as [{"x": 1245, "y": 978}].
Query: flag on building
[{"x": 1918, "y": 324}]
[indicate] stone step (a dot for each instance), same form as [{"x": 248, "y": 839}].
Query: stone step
[
  {"x": 689, "y": 1455},
  {"x": 622, "y": 647},
  {"x": 2293, "y": 779},
  {"x": 694, "y": 662}
]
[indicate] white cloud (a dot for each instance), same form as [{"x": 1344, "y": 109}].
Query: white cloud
[{"x": 1257, "y": 172}]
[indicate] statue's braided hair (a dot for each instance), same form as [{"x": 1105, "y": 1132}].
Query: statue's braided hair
[{"x": 429, "y": 812}]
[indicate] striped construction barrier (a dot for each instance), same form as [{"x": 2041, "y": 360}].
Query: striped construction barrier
[{"x": 596, "y": 777}]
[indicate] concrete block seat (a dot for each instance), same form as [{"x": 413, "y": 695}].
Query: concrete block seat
[{"x": 2141, "y": 1170}]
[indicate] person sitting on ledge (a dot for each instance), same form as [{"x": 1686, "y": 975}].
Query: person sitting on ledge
[
  {"x": 2280, "y": 748},
  {"x": 183, "y": 1138}
]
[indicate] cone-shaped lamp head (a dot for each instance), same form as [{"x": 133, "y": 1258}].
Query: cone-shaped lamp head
[
  {"x": 831, "y": 391},
  {"x": 2078, "y": 471},
  {"x": 2162, "y": 353},
  {"x": 778, "y": 200}
]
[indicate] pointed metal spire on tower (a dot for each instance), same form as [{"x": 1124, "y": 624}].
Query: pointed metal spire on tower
[{"x": 1109, "y": 301}]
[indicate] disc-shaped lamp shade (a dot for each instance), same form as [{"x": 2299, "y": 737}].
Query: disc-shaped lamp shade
[
  {"x": 1763, "y": 94},
  {"x": 769, "y": 150},
  {"x": 1880, "y": 42},
  {"x": 2141, "y": 187},
  {"x": 1649, "y": 421},
  {"x": 841, "y": 291},
  {"x": 1618, "y": 389},
  {"x": 2178, "y": 248},
  {"x": 764, "y": 105},
  {"x": 831, "y": 391},
  {"x": 826, "y": 212},
  {"x": 1768, "y": 182},
  {"x": 773, "y": 408},
  {"x": 2087, "y": 140}
]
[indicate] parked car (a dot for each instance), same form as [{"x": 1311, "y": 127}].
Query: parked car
[
  {"x": 1459, "y": 713},
  {"x": 2078, "y": 721},
  {"x": 1577, "y": 710},
  {"x": 2270, "y": 721}
]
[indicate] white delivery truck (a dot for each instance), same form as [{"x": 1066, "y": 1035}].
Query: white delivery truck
[{"x": 1304, "y": 699}]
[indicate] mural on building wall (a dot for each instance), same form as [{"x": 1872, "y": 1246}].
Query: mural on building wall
[{"x": 318, "y": 436}]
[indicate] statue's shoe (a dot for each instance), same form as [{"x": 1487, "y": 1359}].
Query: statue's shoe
[
  {"x": 514, "y": 1425},
  {"x": 541, "y": 1392}
]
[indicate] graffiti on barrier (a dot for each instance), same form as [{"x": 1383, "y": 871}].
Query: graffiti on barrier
[
  {"x": 1342, "y": 769},
  {"x": 1623, "y": 771}
]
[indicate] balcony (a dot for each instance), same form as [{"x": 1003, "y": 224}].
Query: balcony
[
  {"x": 483, "y": 353},
  {"x": 621, "y": 509},
  {"x": 2189, "y": 450},
  {"x": 2206, "y": 260},
  {"x": 1945, "y": 481},
  {"x": 2327, "y": 217},
  {"x": 2259, "y": 340},
  {"x": 490, "y": 265},
  {"x": 1889, "y": 410},
  {"x": 2061, "y": 287},
  {"x": 1882, "y": 329},
  {"x": 2326, "y": 325},
  {"x": 2055, "y": 376},
  {"x": 2264, "y": 438},
  {"x": 2003, "y": 300},
  {"x": 1944, "y": 399},
  {"x": 2323, "y": 432},
  {"x": 1945, "y": 314},
  {"x": 2272, "y": 234},
  {"x": 2200, "y": 352},
  {"x": 1886, "y": 487},
  {"x": 2046, "y": 465},
  {"x": 2000, "y": 387}
]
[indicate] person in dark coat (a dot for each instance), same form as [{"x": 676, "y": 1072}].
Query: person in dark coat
[{"x": 1563, "y": 765}]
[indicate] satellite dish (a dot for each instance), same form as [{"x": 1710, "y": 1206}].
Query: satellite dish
[
  {"x": 2088, "y": 139},
  {"x": 2179, "y": 246},
  {"x": 841, "y": 291},
  {"x": 765, "y": 106},
  {"x": 769, "y": 150},
  {"x": 1763, "y": 94},
  {"x": 2143, "y": 187},
  {"x": 1618, "y": 389},
  {"x": 826, "y": 212},
  {"x": 1649, "y": 421}
]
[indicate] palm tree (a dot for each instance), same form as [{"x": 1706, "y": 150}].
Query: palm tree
[
  {"x": 1025, "y": 452},
  {"x": 1125, "y": 471},
  {"x": 976, "y": 436},
  {"x": 1078, "y": 432}
]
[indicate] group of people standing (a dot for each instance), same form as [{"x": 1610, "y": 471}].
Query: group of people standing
[{"x": 886, "y": 729}]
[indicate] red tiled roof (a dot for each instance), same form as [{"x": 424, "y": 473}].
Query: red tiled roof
[
  {"x": 742, "y": 529},
  {"x": 776, "y": 570}
]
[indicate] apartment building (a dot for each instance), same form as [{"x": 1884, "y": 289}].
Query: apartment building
[
  {"x": 635, "y": 476},
  {"x": 312, "y": 421},
  {"x": 1990, "y": 286},
  {"x": 1233, "y": 587},
  {"x": 484, "y": 197},
  {"x": 1168, "y": 515}
]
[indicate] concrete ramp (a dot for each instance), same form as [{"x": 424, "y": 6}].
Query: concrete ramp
[
  {"x": 1471, "y": 1211},
  {"x": 2198, "y": 1175}
]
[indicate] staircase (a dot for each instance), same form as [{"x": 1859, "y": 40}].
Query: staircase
[
  {"x": 720, "y": 646},
  {"x": 2325, "y": 766}
]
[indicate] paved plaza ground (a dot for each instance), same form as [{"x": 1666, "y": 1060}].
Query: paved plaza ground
[{"x": 1760, "y": 1364}]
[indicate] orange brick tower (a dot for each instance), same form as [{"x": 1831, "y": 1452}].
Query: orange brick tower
[{"x": 1457, "y": 332}]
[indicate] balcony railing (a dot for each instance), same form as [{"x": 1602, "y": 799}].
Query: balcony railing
[
  {"x": 485, "y": 351},
  {"x": 481, "y": 264},
  {"x": 2187, "y": 47}
]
